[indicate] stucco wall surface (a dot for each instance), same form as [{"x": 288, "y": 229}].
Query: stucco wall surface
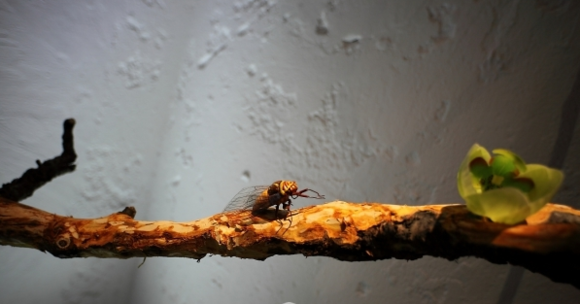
[{"x": 180, "y": 104}]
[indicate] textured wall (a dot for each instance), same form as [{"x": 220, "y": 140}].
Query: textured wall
[{"x": 179, "y": 104}]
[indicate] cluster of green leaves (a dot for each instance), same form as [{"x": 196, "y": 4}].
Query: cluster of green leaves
[{"x": 503, "y": 187}]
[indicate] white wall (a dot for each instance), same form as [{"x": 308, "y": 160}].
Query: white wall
[{"x": 179, "y": 104}]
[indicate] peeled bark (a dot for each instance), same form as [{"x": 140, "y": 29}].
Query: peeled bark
[{"x": 549, "y": 243}]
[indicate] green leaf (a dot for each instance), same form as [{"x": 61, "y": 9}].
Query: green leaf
[
  {"x": 504, "y": 205},
  {"x": 547, "y": 181},
  {"x": 516, "y": 159},
  {"x": 503, "y": 166},
  {"x": 480, "y": 168},
  {"x": 467, "y": 183},
  {"x": 524, "y": 184},
  {"x": 507, "y": 190}
]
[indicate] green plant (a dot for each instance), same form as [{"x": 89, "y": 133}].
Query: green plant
[{"x": 503, "y": 188}]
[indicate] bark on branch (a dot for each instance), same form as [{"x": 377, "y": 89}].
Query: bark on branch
[
  {"x": 24, "y": 186},
  {"x": 549, "y": 243}
]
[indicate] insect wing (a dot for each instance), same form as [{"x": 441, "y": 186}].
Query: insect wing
[{"x": 245, "y": 199}]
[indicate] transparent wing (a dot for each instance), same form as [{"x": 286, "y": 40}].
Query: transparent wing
[{"x": 245, "y": 198}]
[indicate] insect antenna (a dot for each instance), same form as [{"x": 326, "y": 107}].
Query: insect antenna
[{"x": 301, "y": 194}]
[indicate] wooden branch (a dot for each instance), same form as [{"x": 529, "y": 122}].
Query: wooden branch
[
  {"x": 23, "y": 187},
  {"x": 549, "y": 243}
]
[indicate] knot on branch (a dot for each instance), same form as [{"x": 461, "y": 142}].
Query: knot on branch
[{"x": 63, "y": 242}]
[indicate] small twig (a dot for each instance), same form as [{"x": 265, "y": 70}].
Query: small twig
[
  {"x": 23, "y": 187},
  {"x": 130, "y": 211}
]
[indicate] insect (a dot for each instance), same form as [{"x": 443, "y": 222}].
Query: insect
[{"x": 260, "y": 198}]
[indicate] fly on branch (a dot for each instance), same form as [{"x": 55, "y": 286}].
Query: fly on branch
[{"x": 260, "y": 198}]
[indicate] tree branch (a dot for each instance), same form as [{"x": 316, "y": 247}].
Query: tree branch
[
  {"x": 23, "y": 187},
  {"x": 549, "y": 243}
]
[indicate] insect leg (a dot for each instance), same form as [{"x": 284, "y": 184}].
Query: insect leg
[
  {"x": 277, "y": 219},
  {"x": 276, "y": 213},
  {"x": 285, "y": 206}
]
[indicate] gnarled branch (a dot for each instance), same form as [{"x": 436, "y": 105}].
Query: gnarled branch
[
  {"x": 24, "y": 186},
  {"x": 549, "y": 243}
]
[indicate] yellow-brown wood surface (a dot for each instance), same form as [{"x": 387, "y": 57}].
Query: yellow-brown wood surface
[{"x": 546, "y": 243}]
